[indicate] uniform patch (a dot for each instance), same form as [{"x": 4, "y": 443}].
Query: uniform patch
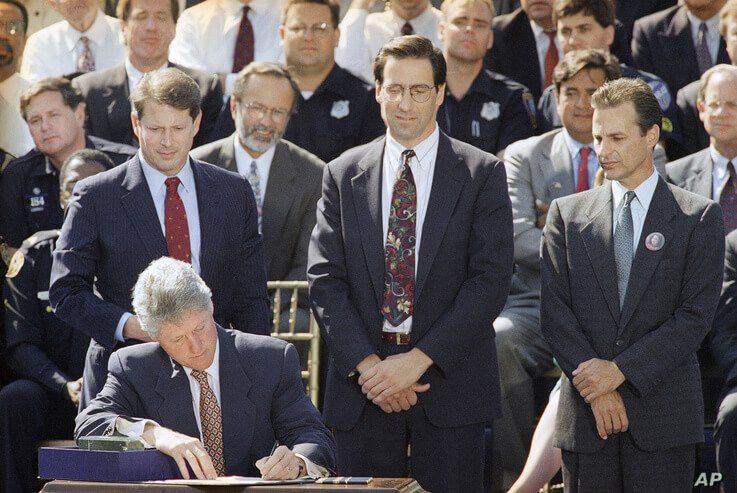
[
  {"x": 16, "y": 264},
  {"x": 667, "y": 125},
  {"x": 340, "y": 109},
  {"x": 661, "y": 93},
  {"x": 490, "y": 110},
  {"x": 529, "y": 103}
]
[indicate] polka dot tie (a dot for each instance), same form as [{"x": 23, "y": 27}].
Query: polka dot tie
[
  {"x": 211, "y": 421},
  {"x": 175, "y": 223}
]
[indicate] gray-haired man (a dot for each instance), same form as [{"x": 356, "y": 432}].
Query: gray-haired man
[{"x": 211, "y": 398}]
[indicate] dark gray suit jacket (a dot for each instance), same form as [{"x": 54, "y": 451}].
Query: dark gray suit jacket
[
  {"x": 694, "y": 134},
  {"x": 462, "y": 280},
  {"x": 288, "y": 215},
  {"x": 693, "y": 173},
  {"x": 109, "y": 109},
  {"x": 261, "y": 394},
  {"x": 668, "y": 309}
]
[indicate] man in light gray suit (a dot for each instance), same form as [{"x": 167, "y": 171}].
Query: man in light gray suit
[
  {"x": 540, "y": 169},
  {"x": 286, "y": 179},
  {"x": 630, "y": 278},
  {"x": 710, "y": 172}
]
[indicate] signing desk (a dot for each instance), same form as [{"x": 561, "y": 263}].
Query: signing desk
[{"x": 377, "y": 485}]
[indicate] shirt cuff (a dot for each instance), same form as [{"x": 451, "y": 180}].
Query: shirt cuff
[
  {"x": 134, "y": 429},
  {"x": 121, "y": 323},
  {"x": 313, "y": 470}
]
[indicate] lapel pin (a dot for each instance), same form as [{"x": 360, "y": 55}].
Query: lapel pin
[
  {"x": 557, "y": 185},
  {"x": 654, "y": 241}
]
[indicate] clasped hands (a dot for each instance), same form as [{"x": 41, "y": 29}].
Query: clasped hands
[
  {"x": 186, "y": 450},
  {"x": 597, "y": 381},
  {"x": 392, "y": 383}
]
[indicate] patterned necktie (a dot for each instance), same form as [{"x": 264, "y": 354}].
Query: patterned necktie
[
  {"x": 243, "y": 43},
  {"x": 399, "y": 254},
  {"x": 85, "y": 62},
  {"x": 211, "y": 421},
  {"x": 255, "y": 180},
  {"x": 728, "y": 200},
  {"x": 703, "y": 56},
  {"x": 623, "y": 247},
  {"x": 551, "y": 58},
  {"x": 407, "y": 29},
  {"x": 175, "y": 223},
  {"x": 583, "y": 170}
]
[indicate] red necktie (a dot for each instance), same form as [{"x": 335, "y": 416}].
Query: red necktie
[
  {"x": 551, "y": 59},
  {"x": 399, "y": 253},
  {"x": 175, "y": 223},
  {"x": 583, "y": 170},
  {"x": 407, "y": 29},
  {"x": 211, "y": 421},
  {"x": 243, "y": 43}
]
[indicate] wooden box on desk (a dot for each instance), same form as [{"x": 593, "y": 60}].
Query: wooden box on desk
[{"x": 75, "y": 464}]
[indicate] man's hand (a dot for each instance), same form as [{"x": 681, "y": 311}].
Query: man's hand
[
  {"x": 72, "y": 390},
  {"x": 542, "y": 213},
  {"x": 133, "y": 330},
  {"x": 393, "y": 375},
  {"x": 282, "y": 464},
  {"x": 404, "y": 399},
  {"x": 183, "y": 449},
  {"x": 610, "y": 414},
  {"x": 596, "y": 377}
]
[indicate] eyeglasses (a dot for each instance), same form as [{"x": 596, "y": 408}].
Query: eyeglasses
[
  {"x": 258, "y": 111},
  {"x": 317, "y": 30},
  {"x": 14, "y": 28},
  {"x": 726, "y": 105},
  {"x": 464, "y": 24},
  {"x": 420, "y": 93}
]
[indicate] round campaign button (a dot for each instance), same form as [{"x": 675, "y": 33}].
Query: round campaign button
[{"x": 654, "y": 241}]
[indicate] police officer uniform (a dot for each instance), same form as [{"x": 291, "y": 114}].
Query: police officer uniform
[
  {"x": 495, "y": 112},
  {"x": 29, "y": 191},
  {"x": 341, "y": 114},
  {"x": 670, "y": 130},
  {"x": 44, "y": 354}
]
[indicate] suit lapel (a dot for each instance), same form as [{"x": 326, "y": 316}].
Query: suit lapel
[
  {"x": 662, "y": 209},
  {"x": 118, "y": 109},
  {"x": 678, "y": 38},
  {"x": 139, "y": 206},
  {"x": 560, "y": 179},
  {"x": 367, "y": 192},
  {"x": 238, "y": 411},
  {"x": 175, "y": 410},
  {"x": 281, "y": 192},
  {"x": 226, "y": 159},
  {"x": 700, "y": 182},
  {"x": 597, "y": 236},
  {"x": 211, "y": 217},
  {"x": 447, "y": 183}
]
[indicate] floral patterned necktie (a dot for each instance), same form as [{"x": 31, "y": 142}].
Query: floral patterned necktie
[
  {"x": 399, "y": 253},
  {"x": 211, "y": 421}
]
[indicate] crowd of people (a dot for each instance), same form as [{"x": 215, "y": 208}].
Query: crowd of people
[{"x": 477, "y": 192}]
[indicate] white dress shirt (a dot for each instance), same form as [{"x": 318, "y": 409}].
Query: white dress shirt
[
  {"x": 206, "y": 35},
  {"x": 54, "y": 50},
  {"x": 713, "y": 37},
  {"x": 639, "y": 206},
  {"x": 15, "y": 137},
  {"x": 574, "y": 150},
  {"x": 243, "y": 162},
  {"x": 362, "y": 35},
  {"x": 719, "y": 173},
  {"x": 542, "y": 42},
  {"x": 423, "y": 167},
  {"x": 188, "y": 193},
  {"x": 135, "y": 75},
  {"x": 136, "y": 428}
]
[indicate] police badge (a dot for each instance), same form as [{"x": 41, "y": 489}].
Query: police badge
[
  {"x": 340, "y": 109},
  {"x": 490, "y": 110}
]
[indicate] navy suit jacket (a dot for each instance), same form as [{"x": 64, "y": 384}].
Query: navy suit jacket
[
  {"x": 261, "y": 394},
  {"x": 662, "y": 44},
  {"x": 462, "y": 279}
]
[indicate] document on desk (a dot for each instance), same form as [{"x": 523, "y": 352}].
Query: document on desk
[{"x": 233, "y": 481}]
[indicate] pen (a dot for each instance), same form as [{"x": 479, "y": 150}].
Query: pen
[{"x": 276, "y": 444}]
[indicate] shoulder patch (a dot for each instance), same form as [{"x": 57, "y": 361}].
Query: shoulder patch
[
  {"x": 529, "y": 103},
  {"x": 667, "y": 124},
  {"x": 16, "y": 264},
  {"x": 661, "y": 93}
]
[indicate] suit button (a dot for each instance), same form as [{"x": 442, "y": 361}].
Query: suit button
[{"x": 619, "y": 343}]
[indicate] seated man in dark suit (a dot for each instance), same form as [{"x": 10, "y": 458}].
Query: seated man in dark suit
[
  {"x": 229, "y": 398},
  {"x": 680, "y": 43},
  {"x": 29, "y": 185},
  {"x": 694, "y": 134},
  {"x": 44, "y": 353},
  {"x": 148, "y": 27},
  {"x": 711, "y": 171}
]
